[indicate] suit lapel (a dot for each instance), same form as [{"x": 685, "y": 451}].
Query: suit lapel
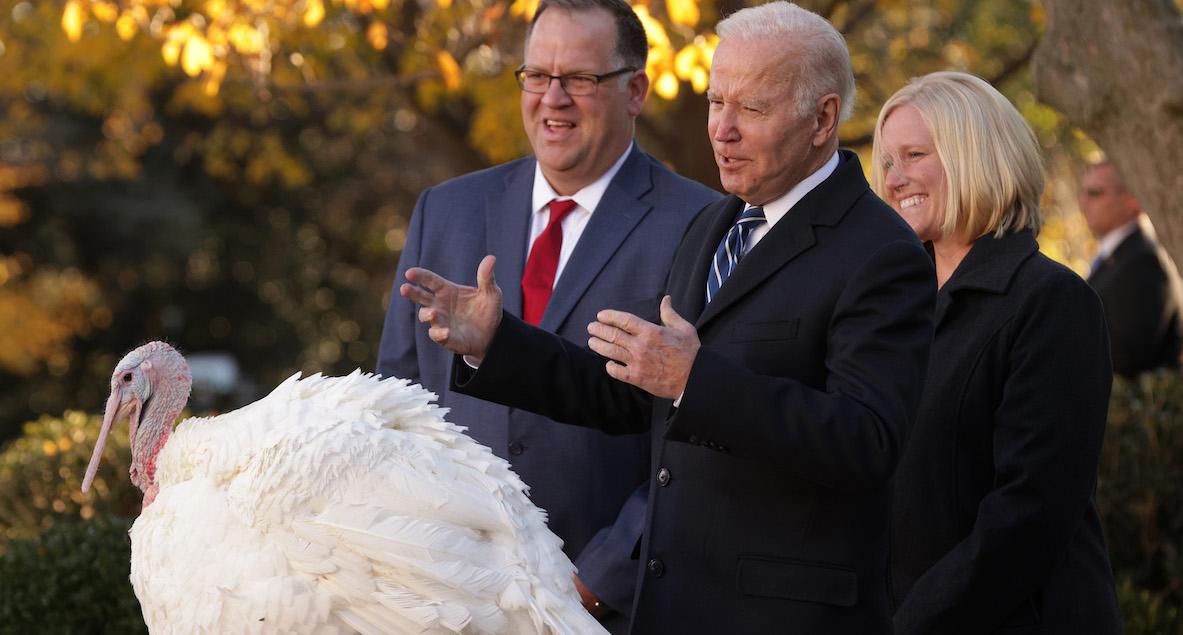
[
  {"x": 788, "y": 238},
  {"x": 617, "y": 214},
  {"x": 689, "y": 292},
  {"x": 507, "y": 228},
  {"x": 826, "y": 204}
]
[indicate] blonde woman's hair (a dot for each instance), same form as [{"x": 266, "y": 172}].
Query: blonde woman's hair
[{"x": 993, "y": 168}]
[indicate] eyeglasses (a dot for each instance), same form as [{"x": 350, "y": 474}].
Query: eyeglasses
[{"x": 576, "y": 84}]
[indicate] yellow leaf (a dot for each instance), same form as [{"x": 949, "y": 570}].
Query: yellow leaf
[
  {"x": 105, "y": 11},
  {"x": 699, "y": 80},
  {"x": 197, "y": 56},
  {"x": 73, "y": 18},
  {"x": 126, "y": 27},
  {"x": 380, "y": 4},
  {"x": 653, "y": 29},
  {"x": 449, "y": 70},
  {"x": 376, "y": 35},
  {"x": 685, "y": 61},
  {"x": 245, "y": 39},
  {"x": 443, "y": 4},
  {"x": 524, "y": 8},
  {"x": 708, "y": 46},
  {"x": 171, "y": 51},
  {"x": 213, "y": 80},
  {"x": 314, "y": 13},
  {"x": 682, "y": 11},
  {"x": 666, "y": 86},
  {"x": 216, "y": 36}
]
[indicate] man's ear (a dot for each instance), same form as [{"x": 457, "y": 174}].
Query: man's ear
[
  {"x": 826, "y": 119},
  {"x": 638, "y": 89}
]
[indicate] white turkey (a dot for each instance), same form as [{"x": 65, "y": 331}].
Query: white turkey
[{"x": 333, "y": 505}]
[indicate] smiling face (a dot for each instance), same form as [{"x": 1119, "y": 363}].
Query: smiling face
[
  {"x": 576, "y": 139},
  {"x": 914, "y": 178},
  {"x": 762, "y": 144}
]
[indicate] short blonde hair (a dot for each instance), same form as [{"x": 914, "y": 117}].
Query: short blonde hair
[{"x": 993, "y": 168}]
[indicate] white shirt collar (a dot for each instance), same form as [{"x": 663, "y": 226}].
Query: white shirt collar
[
  {"x": 1110, "y": 241},
  {"x": 587, "y": 198},
  {"x": 776, "y": 209}
]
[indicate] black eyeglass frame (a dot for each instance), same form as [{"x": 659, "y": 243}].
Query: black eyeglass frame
[{"x": 520, "y": 75}]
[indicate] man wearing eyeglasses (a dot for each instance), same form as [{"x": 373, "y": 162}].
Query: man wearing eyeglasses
[{"x": 587, "y": 223}]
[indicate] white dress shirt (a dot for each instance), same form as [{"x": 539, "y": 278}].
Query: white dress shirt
[
  {"x": 585, "y": 199},
  {"x": 776, "y": 209}
]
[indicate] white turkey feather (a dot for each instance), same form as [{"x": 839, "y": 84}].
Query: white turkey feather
[{"x": 339, "y": 505}]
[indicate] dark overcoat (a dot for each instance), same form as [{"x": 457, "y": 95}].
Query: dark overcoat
[
  {"x": 994, "y": 524},
  {"x": 769, "y": 503},
  {"x": 1143, "y": 300}
]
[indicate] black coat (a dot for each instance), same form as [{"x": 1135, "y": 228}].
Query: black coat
[
  {"x": 769, "y": 501},
  {"x": 1140, "y": 290},
  {"x": 994, "y": 522}
]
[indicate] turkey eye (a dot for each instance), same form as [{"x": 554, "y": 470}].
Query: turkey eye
[{"x": 126, "y": 377}]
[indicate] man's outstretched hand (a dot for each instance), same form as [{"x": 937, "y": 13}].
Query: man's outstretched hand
[
  {"x": 656, "y": 359},
  {"x": 463, "y": 319}
]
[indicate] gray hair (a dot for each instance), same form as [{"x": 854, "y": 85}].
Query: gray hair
[{"x": 823, "y": 65}]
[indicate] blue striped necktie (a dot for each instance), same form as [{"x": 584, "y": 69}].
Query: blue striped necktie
[{"x": 732, "y": 248}]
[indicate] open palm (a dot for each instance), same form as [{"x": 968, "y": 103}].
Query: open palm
[{"x": 462, "y": 319}]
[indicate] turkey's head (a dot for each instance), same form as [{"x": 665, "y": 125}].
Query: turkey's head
[{"x": 149, "y": 387}]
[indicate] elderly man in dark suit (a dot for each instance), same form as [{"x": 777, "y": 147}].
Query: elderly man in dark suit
[
  {"x": 783, "y": 375},
  {"x": 1136, "y": 279},
  {"x": 589, "y": 222}
]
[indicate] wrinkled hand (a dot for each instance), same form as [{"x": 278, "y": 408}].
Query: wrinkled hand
[
  {"x": 656, "y": 359},
  {"x": 463, "y": 319}
]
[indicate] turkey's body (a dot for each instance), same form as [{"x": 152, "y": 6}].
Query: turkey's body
[{"x": 336, "y": 505}]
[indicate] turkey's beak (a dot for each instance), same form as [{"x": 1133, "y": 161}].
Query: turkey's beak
[{"x": 117, "y": 408}]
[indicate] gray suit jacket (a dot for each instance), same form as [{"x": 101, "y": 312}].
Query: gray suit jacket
[{"x": 590, "y": 483}]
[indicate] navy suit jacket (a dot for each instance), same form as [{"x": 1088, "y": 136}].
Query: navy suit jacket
[
  {"x": 590, "y": 484},
  {"x": 768, "y": 504},
  {"x": 1143, "y": 299}
]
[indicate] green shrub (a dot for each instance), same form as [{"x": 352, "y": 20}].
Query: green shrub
[
  {"x": 41, "y": 476},
  {"x": 1140, "y": 496},
  {"x": 71, "y": 579},
  {"x": 1146, "y": 613}
]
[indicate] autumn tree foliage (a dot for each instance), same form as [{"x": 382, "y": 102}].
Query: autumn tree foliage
[{"x": 236, "y": 175}]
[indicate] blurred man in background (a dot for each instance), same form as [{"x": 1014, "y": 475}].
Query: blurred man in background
[
  {"x": 1136, "y": 279},
  {"x": 589, "y": 222}
]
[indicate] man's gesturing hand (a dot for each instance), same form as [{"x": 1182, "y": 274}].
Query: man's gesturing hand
[
  {"x": 656, "y": 359},
  {"x": 463, "y": 319}
]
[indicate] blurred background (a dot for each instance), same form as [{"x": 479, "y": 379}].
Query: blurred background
[{"x": 236, "y": 177}]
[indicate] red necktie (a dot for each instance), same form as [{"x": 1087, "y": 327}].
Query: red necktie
[{"x": 539, "y": 277}]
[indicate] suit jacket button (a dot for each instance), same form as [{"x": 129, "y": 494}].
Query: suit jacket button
[
  {"x": 663, "y": 477},
  {"x": 516, "y": 448},
  {"x": 655, "y": 568}
]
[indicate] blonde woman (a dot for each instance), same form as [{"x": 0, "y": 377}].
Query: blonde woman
[{"x": 994, "y": 526}]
